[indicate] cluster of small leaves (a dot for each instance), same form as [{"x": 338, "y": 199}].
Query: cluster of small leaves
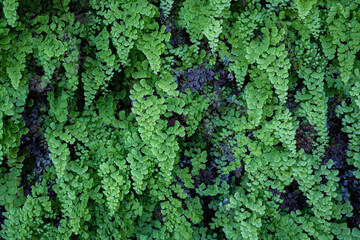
[
  {"x": 204, "y": 19},
  {"x": 114, "y": 127},
  {"x": 166, "y": 6}
]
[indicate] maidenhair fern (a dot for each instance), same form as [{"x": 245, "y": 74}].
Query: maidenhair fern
[{"x": 184, "y": 119}]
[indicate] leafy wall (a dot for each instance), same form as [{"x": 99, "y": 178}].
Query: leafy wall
[{"x": 190, "y": 119}]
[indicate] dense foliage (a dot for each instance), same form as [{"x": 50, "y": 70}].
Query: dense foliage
[{"x": 189, "y": 119}]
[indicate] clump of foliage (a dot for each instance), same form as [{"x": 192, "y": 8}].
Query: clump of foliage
[{"x": 184, "y": 119}]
